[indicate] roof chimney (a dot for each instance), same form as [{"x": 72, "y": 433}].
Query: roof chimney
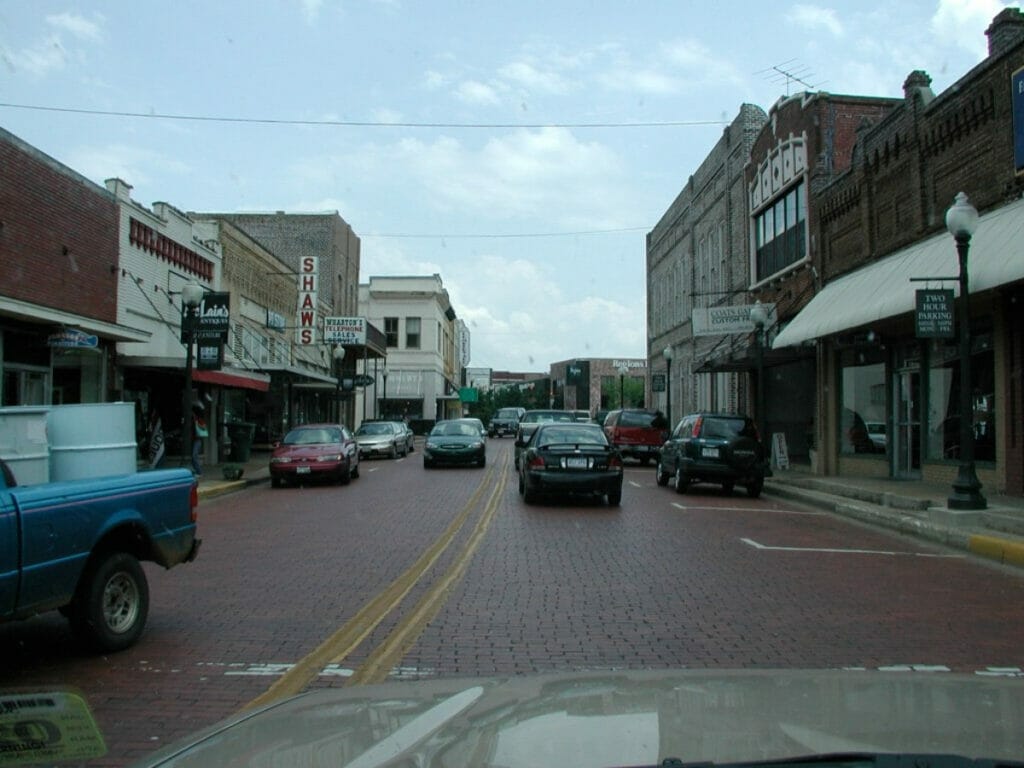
[{"x": 1006, "y": 30}]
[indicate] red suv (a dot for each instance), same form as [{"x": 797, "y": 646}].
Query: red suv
[{"x": 637, "y": 433}]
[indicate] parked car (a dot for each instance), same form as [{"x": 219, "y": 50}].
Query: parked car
[
  {"x": 75, "y": 545},
  {"x": 315, "y": 452},
  {"x": 505, "y": 421},
  {"x": 477, "y": 423},
  {"x": 410, "y": 436},
  {"x": 531, "y": 420},
  {"x": 714, "y": 448},
  {"x": 600, "y": 416},
  {"x": 876, "y": 433},
  {"x": 570, "y": 459},
  {"x": 454, "y": 441},
  {"x": 637, "y": 433},
  {"x": 390, "y": 439},
  {"x": 582, "y": 416}
]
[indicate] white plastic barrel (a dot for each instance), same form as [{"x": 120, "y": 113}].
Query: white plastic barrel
[
  {"x": 23, "y": 443},
  {"x": 91, "y": 440}
]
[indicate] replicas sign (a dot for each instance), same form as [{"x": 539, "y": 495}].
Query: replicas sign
[
  {"x": 72, "y": 338},
  {"x": 1017, "y": 98}
]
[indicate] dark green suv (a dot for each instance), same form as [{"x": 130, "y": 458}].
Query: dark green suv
[{"x": 719, "y": 448}]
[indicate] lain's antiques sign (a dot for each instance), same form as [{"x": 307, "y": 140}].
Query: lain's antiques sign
[{"x": 933, "y": 318}]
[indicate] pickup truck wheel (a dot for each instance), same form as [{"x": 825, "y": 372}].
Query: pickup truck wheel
[{"x": 112, "y": 603}]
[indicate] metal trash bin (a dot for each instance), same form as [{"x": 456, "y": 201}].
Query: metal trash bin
[{"x": 241, "y": 434}]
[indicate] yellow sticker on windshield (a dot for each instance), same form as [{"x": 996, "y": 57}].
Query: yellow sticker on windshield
[{"x": 45, "y": 726}]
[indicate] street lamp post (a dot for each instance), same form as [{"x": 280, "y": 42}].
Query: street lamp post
[
  {"x": 961, "y": 221},
  {"x": 759, "y": 317},
  {"x": 622, "y": 385},
  {"x": 668, "y": 385},
  {"x": 339, "y": 357},
  {"x": 191, "y": 297},
  {"x": 384, "y": 399}
]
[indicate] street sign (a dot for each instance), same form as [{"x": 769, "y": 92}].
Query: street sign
[
  {"x": 933, "y": 318},
  {"x": 657, "y": 382},
  {"x": 718, "y": 321}
]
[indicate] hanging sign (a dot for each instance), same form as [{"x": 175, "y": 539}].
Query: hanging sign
[
  {"x": 933, "y": 317},
  {"x": 309, "y": 269},
  {"x": 72, "y": 338}
]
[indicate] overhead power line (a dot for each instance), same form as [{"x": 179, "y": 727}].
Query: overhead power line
[
  {"x": 351, "y": 123},
  {"x": 410, "y": 235}
]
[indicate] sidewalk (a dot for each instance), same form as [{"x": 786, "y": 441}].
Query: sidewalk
[
  {"x": 256, "y": 470},
  {"x": 913, "y": 507}
]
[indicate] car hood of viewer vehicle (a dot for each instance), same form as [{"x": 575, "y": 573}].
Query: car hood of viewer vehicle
[{"x": 622, "y": 718}]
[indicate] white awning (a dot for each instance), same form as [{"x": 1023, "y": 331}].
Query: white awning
[{"x": 883, "y": 289}]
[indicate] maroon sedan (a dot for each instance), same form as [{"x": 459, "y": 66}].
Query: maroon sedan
[{"x": 315, "y": 452}]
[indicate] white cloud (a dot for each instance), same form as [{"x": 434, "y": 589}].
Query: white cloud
[
  {"x": 311, "y": 9},
  {"x": 813, "y": 17},
  {"x": 474, "y": 92},
  {"x": 527, "y": 75},
  {"x": 37, "y": 60},
  {"x": 963, "y": 23},
  {"x": 434, "y": 80},
  {"x": 132, "y": 164},
  {"x": 76, "y": 25}
]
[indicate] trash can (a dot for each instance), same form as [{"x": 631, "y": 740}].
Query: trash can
[{"x": 241, "y": 434}]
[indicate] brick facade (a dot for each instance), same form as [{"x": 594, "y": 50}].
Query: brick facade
[{"x": 58, "y": 235}]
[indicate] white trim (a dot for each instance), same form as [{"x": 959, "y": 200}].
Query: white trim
[{"x": 34, "y": 312}]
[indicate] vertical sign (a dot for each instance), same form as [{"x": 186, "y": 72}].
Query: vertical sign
[
  {"x": 1017, "y": 86},
  {"x": 309, "y": 271}
]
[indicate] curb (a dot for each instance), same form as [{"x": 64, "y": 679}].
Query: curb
[
  {"x": 223, "y": 487},
  {"x": 1001, "y": 550}
]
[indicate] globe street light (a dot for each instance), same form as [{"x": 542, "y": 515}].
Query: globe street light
[
  {"x": 191, "y": 298},
  {"x": 759, "y": 317},
  {"x": 668, "y": 385},
  {"x": 961, "y": 221},
  {"x": 339, "y": 356}
]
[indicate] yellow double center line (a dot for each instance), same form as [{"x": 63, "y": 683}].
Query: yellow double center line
[{"x": 348, "y": 638}]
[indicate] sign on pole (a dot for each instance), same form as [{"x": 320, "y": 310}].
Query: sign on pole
[
  {"x": 1017, "y": 98},
  {"x": 933, "y": 317}
]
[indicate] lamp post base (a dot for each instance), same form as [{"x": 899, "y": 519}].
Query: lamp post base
[{"x": 966, "y": 490}]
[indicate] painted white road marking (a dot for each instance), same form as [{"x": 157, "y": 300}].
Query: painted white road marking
[
  {"x": 756, "y": 545},
  {"x": 635, "y": 484}
]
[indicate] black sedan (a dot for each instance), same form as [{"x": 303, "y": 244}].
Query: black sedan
[
  {"x": 570, "y": 459},
  {"x": 454, "y": 441}
]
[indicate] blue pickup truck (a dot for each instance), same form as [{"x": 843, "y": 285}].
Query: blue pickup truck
[{"x": 75, "y": 546}]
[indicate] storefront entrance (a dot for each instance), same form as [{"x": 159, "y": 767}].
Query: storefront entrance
[{"x": 907, "y": 423}]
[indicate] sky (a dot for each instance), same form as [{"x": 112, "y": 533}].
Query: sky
[{"x": 521, "y": 150}]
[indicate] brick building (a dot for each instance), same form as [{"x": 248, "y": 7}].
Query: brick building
[
  {"x": 59, "y": 273},
  {"x": 881, "y": 230}
]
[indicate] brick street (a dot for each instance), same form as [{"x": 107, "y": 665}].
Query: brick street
[{"x": 700, "y": 580}]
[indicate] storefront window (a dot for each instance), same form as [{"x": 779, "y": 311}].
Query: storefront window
[
  {"x": 862, "y": 382},
  {"x": 944, "y": 399}
]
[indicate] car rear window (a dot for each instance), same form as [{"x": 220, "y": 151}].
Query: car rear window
[
  {"x": 636, "y": 419},
  {"x": 558, "y": 435},
  {"x": 508, "y": 413},
  {"x": 726, "y": 428}
]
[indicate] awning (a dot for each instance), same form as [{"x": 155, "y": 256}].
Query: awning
[
  {"x": 24, "y": 310},
  {"x": 234, "y": 378},
  {"x": 883, "y": 289}
]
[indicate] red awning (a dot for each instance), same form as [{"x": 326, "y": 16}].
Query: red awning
[{"x": 259, "y": 382}]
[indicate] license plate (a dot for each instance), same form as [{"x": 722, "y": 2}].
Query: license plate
[
  {"x": 576, "y": 462},
  {"x": 302, "y": 470},
  {"x": 711, "y": 453}
]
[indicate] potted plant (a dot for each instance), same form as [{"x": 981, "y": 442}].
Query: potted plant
[{"x": 232, "y": 471}]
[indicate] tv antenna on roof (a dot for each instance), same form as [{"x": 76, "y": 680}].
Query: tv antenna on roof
[{"x": 789, "y": 72}]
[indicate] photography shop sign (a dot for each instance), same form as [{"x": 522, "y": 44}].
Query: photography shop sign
[
  {"x": 933, "y": 316},
  {"x": 718, "y": 321}
]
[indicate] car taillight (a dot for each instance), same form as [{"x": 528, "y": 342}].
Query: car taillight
[
  {"x": 537, "y": 462},
  {"x": 193, "y": 503},
  {"x": 696, "y": 426},
  {"x": 614, "y": 461}
]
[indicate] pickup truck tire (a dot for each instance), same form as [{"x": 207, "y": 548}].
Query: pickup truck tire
[{"x": 112, "y": 602}]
